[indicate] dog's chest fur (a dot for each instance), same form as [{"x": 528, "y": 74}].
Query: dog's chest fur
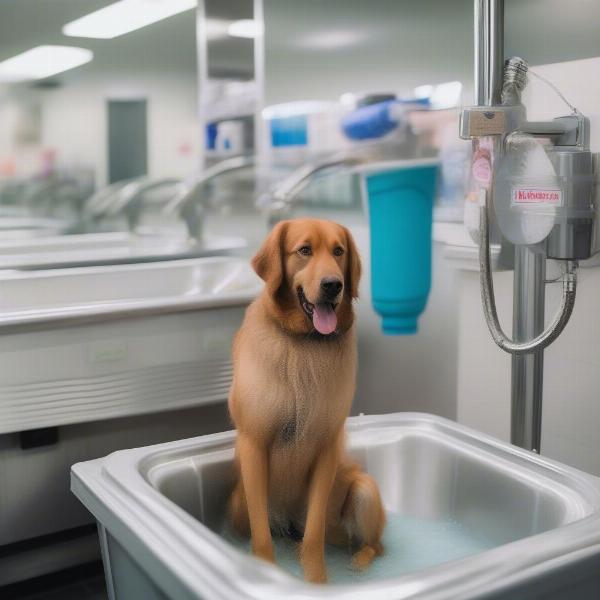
[
  {"x": 292, "y": 393},
  {"x": 309, "y": 393},
  {"x": 293, "y": 388},
  {"x": 312, "y": 376}
]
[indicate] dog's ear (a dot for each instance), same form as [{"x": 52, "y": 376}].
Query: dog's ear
[
  {"x": 268, "y": 262},
  {"x": 353, "y": 265}
]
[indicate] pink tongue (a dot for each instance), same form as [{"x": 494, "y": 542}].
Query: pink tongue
[{"x": 324, "y": 318}]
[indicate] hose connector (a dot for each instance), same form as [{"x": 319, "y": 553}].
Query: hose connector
[{"x": 515, "y": 80}]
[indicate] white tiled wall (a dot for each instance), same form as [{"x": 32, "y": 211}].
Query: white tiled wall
[{"x": 571, "y": 413}]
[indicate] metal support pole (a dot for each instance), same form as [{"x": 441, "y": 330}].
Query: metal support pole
[
  {"x": 489, "y": 51},
  {"x": 528, "y": 369},
  {"x": 530, "y": 268}
]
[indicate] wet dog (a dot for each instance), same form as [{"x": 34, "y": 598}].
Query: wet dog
[{"x": 293, "y": 384}]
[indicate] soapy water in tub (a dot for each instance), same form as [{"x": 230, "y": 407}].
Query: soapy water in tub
[{"x": 410, "y": 544}]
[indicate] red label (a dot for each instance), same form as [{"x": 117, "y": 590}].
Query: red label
[{"x": 536, "y": 196}]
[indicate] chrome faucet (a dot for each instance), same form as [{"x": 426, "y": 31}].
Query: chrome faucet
[
  {"x": 187, "y": 202},
  {"x": 50, "y": 195},
  {"x": 290, "y": 188},
  {"x": 284, "y": 195},
  {"x": 128, "y": 200},
  {"x": 100, "y": 201}
]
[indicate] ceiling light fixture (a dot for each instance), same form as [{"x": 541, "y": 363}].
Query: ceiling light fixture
[
  {"x": 125, "y": 16},
  {"x": 43, "y": 61}
]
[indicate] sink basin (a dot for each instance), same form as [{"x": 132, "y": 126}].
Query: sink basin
[
  {"x": 10, "y": 210},
  {"x": 107, "y": 248},
  {"x": 93, "y": 343},
  {"x": 24, "y": 227},
  {"x": 468, "y": 517},
  {"x": 72, "y": 295}
]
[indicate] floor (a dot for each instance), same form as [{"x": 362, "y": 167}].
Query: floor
[{"x": 85, "y": 582}]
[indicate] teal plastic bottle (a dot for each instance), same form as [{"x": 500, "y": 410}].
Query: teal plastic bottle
[{"x": 400, "y": 206}]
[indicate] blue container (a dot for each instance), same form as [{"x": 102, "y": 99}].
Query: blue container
[{"x": 400, "y": 203}]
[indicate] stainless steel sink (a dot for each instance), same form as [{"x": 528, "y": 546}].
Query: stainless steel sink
[
  {"x": 26, "y": 227},
  {"x": 10, "y": 210},
  {"x": 532, "y": 526},
  {"x": 94, "y": 343},
  {"x": 107, "y": 249},
  {"x": 74, "y": 295}
]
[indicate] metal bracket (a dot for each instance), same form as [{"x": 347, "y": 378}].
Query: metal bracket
[
  {"x": 483, "y": 121},
  {"x": 572, "y": 130}
]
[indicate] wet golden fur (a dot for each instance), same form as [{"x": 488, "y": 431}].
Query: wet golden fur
[{"x": 291, "y": 393}]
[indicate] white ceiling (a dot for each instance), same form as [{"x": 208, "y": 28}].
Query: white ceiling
[{"x": 169, "y": 45}]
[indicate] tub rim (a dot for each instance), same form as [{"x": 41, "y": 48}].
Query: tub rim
[{"x": 116, "y": 489}]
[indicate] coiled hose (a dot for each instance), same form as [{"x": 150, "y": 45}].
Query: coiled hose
[{"x": 559, "y": 322}]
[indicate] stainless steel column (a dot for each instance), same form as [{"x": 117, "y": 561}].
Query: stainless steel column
[
  {"x": 528, "y": 369},
  {"x": 489, "y": 51},
  {"x": 530, "y": 268}
]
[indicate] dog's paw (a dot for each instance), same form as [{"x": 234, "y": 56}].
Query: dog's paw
[{"x": 363, "y": 558}]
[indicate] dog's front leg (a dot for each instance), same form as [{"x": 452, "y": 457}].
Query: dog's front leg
[
  {"x": 255, "y": 477},
  {"x": 312, "y": 553}
]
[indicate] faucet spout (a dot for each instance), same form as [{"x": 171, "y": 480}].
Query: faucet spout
[
  {"x": 187, "y": 203},
  {"x": 290, "y": 188},
  {"x": 128, "y": 200},
  {"x": 286, "y": 192}
]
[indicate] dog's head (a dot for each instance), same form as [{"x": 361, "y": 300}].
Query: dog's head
[{"x": 311, "y": 268}]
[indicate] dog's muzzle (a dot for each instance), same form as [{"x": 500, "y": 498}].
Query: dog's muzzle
[{"x": 331, "y": 288}]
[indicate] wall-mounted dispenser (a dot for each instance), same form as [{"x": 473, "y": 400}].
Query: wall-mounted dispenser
[
  {"x": 540, "y": 187},
  {"x": 400, "y": 199}
]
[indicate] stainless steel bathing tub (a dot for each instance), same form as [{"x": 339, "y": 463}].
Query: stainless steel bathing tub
[{"x": 158, "y": 509}]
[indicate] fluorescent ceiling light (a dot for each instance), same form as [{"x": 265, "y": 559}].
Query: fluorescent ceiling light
[
  {"x": 43, "y": 61},
  {"x": 125, "y": 16},
  {"x": 245, "y": 28}
]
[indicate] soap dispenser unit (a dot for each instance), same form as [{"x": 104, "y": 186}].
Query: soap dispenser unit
[
  {"x": 541, "y": 193},
  {"x": 400, "y": 198}
]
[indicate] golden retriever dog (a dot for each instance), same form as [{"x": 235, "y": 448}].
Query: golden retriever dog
[{"x": 293, "y": 384}]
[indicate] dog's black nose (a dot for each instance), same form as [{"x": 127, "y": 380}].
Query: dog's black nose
[{"x": 331, "y": 287}]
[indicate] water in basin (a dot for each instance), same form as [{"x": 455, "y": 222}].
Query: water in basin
[{"x": 410, "y": 544}]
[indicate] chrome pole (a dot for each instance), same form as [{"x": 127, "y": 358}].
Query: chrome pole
[
  {"x": 495, "y": 60},
  {"x": 489, "y": 51},
  {"x": 527, "y": 369},
  {"x": 530, "y": 268},
  {"x": 480, "y": 27}
]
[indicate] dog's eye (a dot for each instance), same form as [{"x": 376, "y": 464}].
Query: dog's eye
[
  {"x": 305, "y": 251},
  {"x": 338, "y": 251}
]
